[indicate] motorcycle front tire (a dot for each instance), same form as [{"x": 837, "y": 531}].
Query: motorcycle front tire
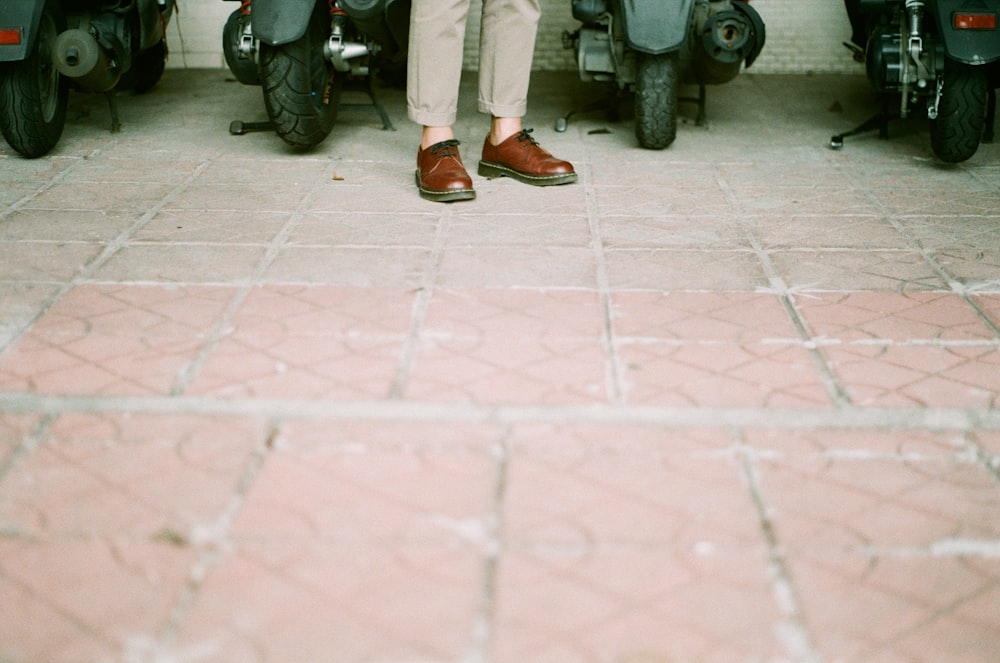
[
  {"x": 33, "y": 94},
  {"x": 656, "y": 100},
  {"x": 958, "y": 128},
  {"x": 301, "y": 88}
]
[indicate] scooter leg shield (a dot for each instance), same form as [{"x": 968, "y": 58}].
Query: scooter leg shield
[
  {"x": 279, "y": 22},
  {"x": 656, "y": 27}
]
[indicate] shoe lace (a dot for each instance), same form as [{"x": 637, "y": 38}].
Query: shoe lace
[
  {"x": 444, "y": 148},
  {"x": 525, "y": 135}
]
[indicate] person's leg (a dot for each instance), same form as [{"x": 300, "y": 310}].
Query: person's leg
[
  {"x": 434, "y": 66},
  {"x": 506, "y": 50},
  {"x": 434, "y": 71},
  {"x": 507, "y": 44}
]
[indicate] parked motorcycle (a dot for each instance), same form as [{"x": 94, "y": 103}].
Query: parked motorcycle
[
  {"x": 939, "y": 57},
  {"x": 49, "y": 46},
  {"x": 651, "y": 48},
  {"x": 304, "y": 52}
]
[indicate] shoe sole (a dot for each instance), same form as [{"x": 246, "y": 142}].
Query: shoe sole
[
  {"x": 492, "y": 170},
  {"x": 444, "y": 196}
]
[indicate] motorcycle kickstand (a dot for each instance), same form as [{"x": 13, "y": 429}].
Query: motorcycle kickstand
[
  {"x": 239, "y": 127},
  {"x": 991, "y": 116},
  {"x": 701, "y": 100},
  {"x": 878, "y": 121},
  {"x": 116, "y": 125}
]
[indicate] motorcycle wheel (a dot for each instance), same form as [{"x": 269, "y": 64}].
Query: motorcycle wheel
[
  {"x": 147, "y": 68},
  {"x": 301, "y": 88},
  {"x": 33, "y": 94},
  {"x": 958, "y": 129},
  {"x": 656, "y": 100}
]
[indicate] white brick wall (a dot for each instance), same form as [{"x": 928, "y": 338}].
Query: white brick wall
[{"x": 802, "y": 36}]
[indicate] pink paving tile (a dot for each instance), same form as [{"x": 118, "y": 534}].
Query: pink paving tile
[
  {"x": 334, "y": 228},
  {"x": 310, "y": 342},
  {"x": 647, "y": 200},
  {"x": 276, "y": 601},
  {"x": 299, "y": 367},
  {"x": 509, "y": 371},
  {"x": 44, "y": 261},
  {"x": 976, "y": 268},
  {"x": 990, "y": 442},
  {"x": 344, "y": 312},
  {"x": 778, "y": 200},
  {"x": 180, "y": 263},
  {"x": 113, "y": 340},
  {"x": 16, "y": 428},
  {"x": 881, "y": 504},
  {"x": 140, "y": 477},
  {"x": 582, "y": 488},
  {"x": 636, "y": 605},
  {"x": 674, "y": 269},
  {"x": 517, "y": 267},
  {"x": 941, "y": 609},
  {"x": 524, "y": 230},
  {"x": 884, "y": 375},
  {"x": 350, "y": 483},
  {"x": 860, "y": 443},
  {"x": 851, "y": 269},
  {"x": 864, "y": 316},
  {"x": 738, "y": 317},
  {"x": 928, "y": 201},
  {"x": 81, "y": 599},
  {"x": 828, "y": 232},
  {"x": 675, "y": 230},
  {"x": 719, "y": 374},
  {"x": 515, "y": 314},
  {"x": 990, "y": 304},
  {"x": 364, "y": 266}
]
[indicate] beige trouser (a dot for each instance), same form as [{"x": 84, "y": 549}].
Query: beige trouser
[{"x": 434, "y": 66}]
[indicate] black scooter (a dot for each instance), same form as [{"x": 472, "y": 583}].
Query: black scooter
[
  {"x": 651, "y": 48},
  {"x": 939, "y": 57},
  {"x": 303, "y": 53},
  {"x": 49, "y": 46}
]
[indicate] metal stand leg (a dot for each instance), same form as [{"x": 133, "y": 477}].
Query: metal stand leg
[
  {"x": 116, "y": 125},
  {"x": 991, "y": 116},
  {"x": 878, "y": 121}
]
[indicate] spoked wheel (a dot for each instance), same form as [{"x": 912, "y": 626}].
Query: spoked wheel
[
  {"x": 656, "y": 100},
  {"x": 33, "y": 94},
  {"x": 958, "y": 129},
  {"x": 301, "y": 88}
]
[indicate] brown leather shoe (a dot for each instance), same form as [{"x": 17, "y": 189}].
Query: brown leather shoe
[
  {"x": 522, "y": 158},
  {"x": 440, "y": 174}
]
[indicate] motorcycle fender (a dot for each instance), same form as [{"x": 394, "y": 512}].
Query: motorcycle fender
[
  {"x": 279, "y": 22},
  {"x": 656, "y": 26},
  {"x": 24, "y": 16},
  {"x": 151, "y": 24},
  {"x": 969, "y": 46}
]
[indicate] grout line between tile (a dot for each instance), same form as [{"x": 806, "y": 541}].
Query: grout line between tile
[
  {"x": 843, "y": 418},
  {"x": 836, "y": 391},
  {"x": 418, "y": 312},
  {"x": 109, "y": 250},
  {"x": 212, "y": 540},
  {"x": 188, "y": 372},
  {"x": 791, "y": 631},
  {"x": 613, "y": 371}
]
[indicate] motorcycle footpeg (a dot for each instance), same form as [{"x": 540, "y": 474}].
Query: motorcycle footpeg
[{"x": 239, "y": 127}]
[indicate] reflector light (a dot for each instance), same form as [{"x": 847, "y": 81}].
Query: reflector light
[
  {"x": 975, "y": 21},
  {"x": 10, "y": 36}
]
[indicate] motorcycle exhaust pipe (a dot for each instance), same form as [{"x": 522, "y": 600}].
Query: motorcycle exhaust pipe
[{"x": 78, "y": 56}]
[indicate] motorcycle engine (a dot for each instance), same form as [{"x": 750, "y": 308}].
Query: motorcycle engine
[{"x": 885, "y": 60}]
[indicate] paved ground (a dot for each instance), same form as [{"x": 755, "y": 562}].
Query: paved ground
[{"x": 731, "y": 402}]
